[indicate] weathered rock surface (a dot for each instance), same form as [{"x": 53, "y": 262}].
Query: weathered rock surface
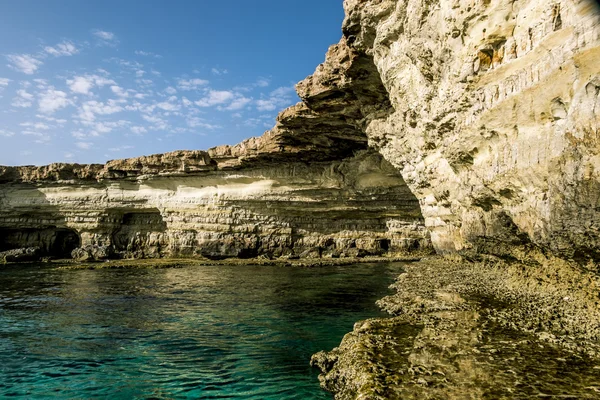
[
  {"x": 475, "y": 331},
  {"x": 491, "y": 114},
  {"x": 191, "y": 204}
]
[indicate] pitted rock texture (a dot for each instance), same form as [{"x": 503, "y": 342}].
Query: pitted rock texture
[
  {"x": 474, "y": 331},
  {"x": 492, "y": 118},
  {"x": 189, "y": 204}
]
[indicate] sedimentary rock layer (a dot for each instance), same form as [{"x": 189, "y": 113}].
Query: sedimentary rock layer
[
  {"x": 492, "y": 118},
  {"x": 189, "y": 204}
]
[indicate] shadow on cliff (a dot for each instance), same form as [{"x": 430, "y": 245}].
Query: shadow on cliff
[{"x": 39, "y": 223}]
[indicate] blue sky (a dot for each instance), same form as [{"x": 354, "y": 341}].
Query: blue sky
[{"x": 91, "y": 81}]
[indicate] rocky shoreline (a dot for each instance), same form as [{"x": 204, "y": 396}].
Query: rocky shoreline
[{"x": 479, "y": 330}]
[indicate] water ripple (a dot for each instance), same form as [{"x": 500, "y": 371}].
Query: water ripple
[{"x": 197, "y": 332}]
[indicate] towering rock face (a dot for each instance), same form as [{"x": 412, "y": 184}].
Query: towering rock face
[
  {"x": 492, "y": 119},
  {"x": 189, "y": 204}
]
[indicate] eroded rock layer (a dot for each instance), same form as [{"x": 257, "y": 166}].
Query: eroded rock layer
[
  {"x": 493, "y": 117},
  {"x": 188, "y": 204}
]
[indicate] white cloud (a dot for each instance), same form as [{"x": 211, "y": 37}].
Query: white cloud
[
  {"x": 83, "y": 84},
  {"x": 68, "y": 155},
  {"x": 51, "y": 119},
  {"x": 139, "y": 73},
  {"x": 278, "y": 98},
  {"x": 89, "y": 110},
  {"x": 6, "y": 133},
  {"x": 41, "y": 84},
  {"x": 109, "y": 126},
  {"x": 195, "y": 122},
  {"x": 64, "y": 48},
  {"x": 186, "y": 102},
  {"x": 23, "y": 63},
  {"x": 80, "y": 84},
  {"x": 36, "y": 125},
  {"x": 167, "y": 106},
  {"x": 119, "y": 91},
  {"x": 41, "y": 137},
  {"x": 138, "y": 130},
  {"x": 262, "y": 82},
  {"x": 215, "y": 97},
  {"x": 239, "y": 103},
  {"x": 265, "y": 105},
  {"x": 23, "y": 99},
  {"x": 191, "y": 84},
  {"x": 52, "y": 100},
  {"x": 147, "y": 54},
  {"x": 4, "y": 81},
  {"x": 120, "y": 148},
  {"x": 158, "y": 123},
  {"x": 84, "y": 145},
  {"x": 144, "y": 83},
  {"x": 105, "y": 38},
  {"x": 216, "y": 71},
  {"x": 170, "y": 90}
]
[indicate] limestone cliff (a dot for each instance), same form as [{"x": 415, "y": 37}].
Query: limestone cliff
[
  {"x": 493, "y": 119},
  {"x": 190, "y": 204}
]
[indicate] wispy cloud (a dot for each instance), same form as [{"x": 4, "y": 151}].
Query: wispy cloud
[
  {"x": 83, "y": 84},
  {"x": 217, "y": 71},
  {"x": 138, "y": 130},
  {"x": 105, "y": 38},
  {"x": 278, "y": 98},
  {"x": 84, "y": 145},
  {"x": 24, "y": 63},
  {"x": 6, "y": 133},
  {"x": 215, "y": 97},
  {"x": 191, "y": 84},
  {"x": 90, "y": 109},
  {"x": 4, "y": 81},
  {"x": 64, "y": 48},
  {"x": 36, "y": 125},
  {"x": 23, "y": 99},
  {"x": 238, "y": 103},
  {"x": 195, "y": 122},
  {"x": 147, "y": 54},
  {"x": 120, "y": 148},
  {"x": 52, "y": 100}
]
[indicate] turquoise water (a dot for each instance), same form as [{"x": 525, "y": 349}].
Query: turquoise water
[{"x": 194, "y": 332}]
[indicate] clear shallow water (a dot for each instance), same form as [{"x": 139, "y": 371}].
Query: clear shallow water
[{"x": 195, "y": 332}]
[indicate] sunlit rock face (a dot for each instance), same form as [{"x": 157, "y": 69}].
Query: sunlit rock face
[
  {"x": 190, "y": 204},
  {"x": 493, "y": 117}
]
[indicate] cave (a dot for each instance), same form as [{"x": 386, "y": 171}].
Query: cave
[
  {"x": 52, "y": 241},
  {"x": 133, "y": 234}
]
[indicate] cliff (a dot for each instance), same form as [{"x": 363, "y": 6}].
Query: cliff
[{"x": 190, "y": 204}]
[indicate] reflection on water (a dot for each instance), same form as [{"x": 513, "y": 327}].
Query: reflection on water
[{"x": 195, "y": 332}]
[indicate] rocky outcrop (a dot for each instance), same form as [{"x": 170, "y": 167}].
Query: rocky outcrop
[
  {"x": 474, "y": 331},
  {"x": 217, "y": 204},
  {"x": 492, "y": 115}
]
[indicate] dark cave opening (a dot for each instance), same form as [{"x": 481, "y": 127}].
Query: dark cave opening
[{"x": 52, "y": 241}]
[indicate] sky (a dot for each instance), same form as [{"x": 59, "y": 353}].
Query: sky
[{"x": 91, "y": 81}]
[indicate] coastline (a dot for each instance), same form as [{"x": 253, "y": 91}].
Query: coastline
[
  {"x": 181, "y": 262},
  {"x": 485, "y": 329}
]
